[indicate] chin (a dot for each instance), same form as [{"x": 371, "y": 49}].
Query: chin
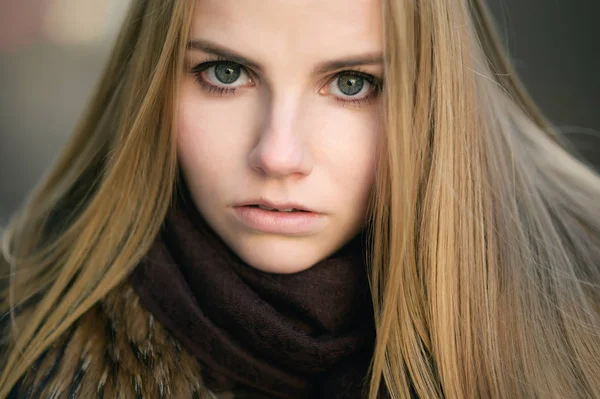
[
  {"x": 277, "y": 263},
  {"x": 280, "y": 255}
]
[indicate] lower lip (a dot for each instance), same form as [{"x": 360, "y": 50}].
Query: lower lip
[{"x": 274, "y": 222}]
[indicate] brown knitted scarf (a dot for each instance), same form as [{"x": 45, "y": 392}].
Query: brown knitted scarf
[{"x": 303, "y": 335}]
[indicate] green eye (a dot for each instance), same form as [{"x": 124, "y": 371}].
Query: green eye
[
  {"x": 227, "y": 73},
  {"x": 350, "y": 85}
]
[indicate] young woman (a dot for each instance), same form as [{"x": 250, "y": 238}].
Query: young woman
[{"x": 307, "y": 199}]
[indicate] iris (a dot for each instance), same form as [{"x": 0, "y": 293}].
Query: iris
[
  {"x": 227, "y": 73},
  {"x": 350, "y": 85}
]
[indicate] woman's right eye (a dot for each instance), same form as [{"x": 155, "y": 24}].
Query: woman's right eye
[{"x": 222, "y": 76}]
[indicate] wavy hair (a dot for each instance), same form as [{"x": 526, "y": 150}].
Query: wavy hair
[{"x": 485, "y": 253}]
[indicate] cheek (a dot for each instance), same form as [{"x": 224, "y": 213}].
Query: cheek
[
  {"x": 199, "y": 151},
  {"x": 360, "y": 168},
  {"x": 350, "y": 152},
  {"x": 193, "y": 143},
  {"x": 210, "y": 134}
]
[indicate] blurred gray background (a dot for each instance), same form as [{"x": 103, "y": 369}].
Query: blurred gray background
[{"x": 51, "y": 52}]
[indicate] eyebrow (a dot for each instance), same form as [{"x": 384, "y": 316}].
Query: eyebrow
[{"x": 322, "y": 67}]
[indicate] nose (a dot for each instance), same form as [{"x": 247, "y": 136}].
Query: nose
[{"x": 282, "y": 149}]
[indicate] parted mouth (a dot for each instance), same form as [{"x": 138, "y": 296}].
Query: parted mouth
[
  {"x": 267, "y": 208},
  {"x": 280, "y": 218},
  {"x": 276, "y": 207}
]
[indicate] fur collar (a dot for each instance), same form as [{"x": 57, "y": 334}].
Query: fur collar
[{"x": 116, "y": 350}]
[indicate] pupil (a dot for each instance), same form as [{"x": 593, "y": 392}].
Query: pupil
[
  {"x": 350, "y": 85},
  {"x": 227, "y": 73}
]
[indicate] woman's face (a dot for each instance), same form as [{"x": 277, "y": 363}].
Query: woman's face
[{"x": 279, "y": 124}]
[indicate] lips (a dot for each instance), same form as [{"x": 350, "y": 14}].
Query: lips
[
  {"x": 279, "y": 218},
  {"x": 276, "y": 206},
  {"x": 268, "y": 208}
]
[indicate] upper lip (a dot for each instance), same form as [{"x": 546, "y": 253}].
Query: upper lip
[{"x": 276, "y": 205}]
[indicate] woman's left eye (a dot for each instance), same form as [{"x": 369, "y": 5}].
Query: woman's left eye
[{"x": 352, "y": 86}]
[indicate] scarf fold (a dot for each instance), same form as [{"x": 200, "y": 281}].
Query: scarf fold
[{"x": 303, "y": 335}]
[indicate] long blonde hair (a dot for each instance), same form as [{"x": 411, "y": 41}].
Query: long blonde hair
[{"x": 485, "y": 267}]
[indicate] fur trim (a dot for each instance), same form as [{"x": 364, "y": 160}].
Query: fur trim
[{"x": 116, "y": 350}]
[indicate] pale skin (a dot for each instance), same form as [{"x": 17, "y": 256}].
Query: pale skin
[{"x": 296, "y": 119}]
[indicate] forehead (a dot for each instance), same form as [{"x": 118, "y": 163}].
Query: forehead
[{"x": 291, "y": 29}]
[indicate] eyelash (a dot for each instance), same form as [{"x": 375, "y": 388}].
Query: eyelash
[{"x": 377, "y": 83}]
